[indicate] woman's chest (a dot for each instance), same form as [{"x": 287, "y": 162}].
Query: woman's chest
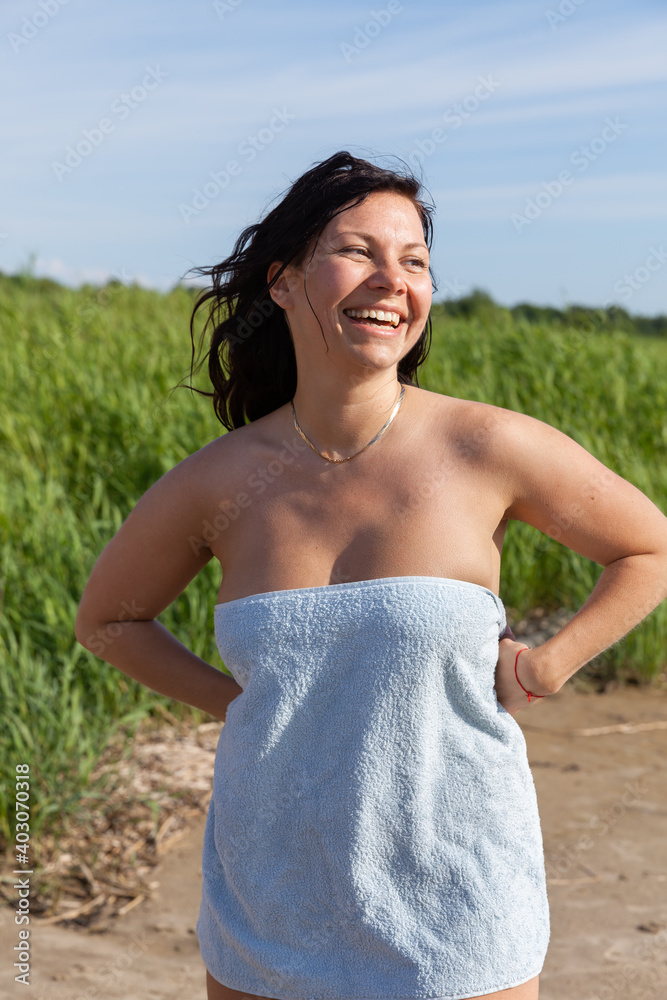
[{"x": 288, "y": 523}]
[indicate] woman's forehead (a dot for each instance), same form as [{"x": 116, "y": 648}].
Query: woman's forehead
[{"x": 381, "y": 213}]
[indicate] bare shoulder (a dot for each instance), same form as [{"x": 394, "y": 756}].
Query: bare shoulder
[
  {"x": 162, "y": 544},
  {"x": 468, "y": 425},
  {"x": 493, "y": 433},
  {"x": 230, "y": 456},
  {"x": 531, "y": 455},
  {"x": 559, "y": 487}
]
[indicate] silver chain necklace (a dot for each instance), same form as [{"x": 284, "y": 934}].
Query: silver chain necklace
[{"x": 377, "y": 436}]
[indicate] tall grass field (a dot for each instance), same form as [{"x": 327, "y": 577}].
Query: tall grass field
[{"x": 88, "y": 423}]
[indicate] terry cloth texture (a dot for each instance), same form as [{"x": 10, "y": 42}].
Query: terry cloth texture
[{"x": 373, "y": 831}]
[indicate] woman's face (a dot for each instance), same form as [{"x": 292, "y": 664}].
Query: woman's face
[{"x": 370, "y": 257}]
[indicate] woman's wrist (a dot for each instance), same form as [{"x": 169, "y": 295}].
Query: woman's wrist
[{"x": 528, "y": 675}]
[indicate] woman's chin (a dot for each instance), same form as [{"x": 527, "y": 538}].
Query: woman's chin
[{"x": 378, "y": 356}]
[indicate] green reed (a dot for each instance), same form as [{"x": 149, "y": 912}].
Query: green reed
[{"x": 88, "y": 423}]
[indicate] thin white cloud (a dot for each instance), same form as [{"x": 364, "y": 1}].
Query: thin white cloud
[
  {"x": 322, "y": 88},
  {"x": 120, "y": 206},
  {"x": 623, "y": 196},
  {"x": 56, "y": 268},
  {"x": 543, "y": 110},
  {"x": 327, "y": 90}
]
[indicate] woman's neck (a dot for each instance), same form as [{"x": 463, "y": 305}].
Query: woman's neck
[{"x": 339, "y": 421}]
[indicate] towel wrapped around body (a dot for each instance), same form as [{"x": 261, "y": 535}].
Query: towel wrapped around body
[{"x": 373, "y": 832}]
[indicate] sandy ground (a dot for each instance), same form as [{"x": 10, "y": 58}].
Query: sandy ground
[{"x": 603, "y": 806}]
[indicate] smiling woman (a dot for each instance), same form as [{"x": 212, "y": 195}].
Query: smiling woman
[
  {"x": 252, "y": 362},
  {"x": 373, "y": 830}
]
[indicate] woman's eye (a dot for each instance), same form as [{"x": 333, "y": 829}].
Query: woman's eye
[{"x": 412, "y": 260}]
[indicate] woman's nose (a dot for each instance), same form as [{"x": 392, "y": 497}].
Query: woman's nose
[{"x": 387, "y": 274}]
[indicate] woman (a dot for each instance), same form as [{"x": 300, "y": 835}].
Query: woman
[{"x": 373, "y": 830}]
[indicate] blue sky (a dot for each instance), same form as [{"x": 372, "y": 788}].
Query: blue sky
[{"x": 492, "y": 103}]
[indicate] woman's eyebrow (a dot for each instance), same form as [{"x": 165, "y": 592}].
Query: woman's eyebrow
[{"x": 367, "y": 236}]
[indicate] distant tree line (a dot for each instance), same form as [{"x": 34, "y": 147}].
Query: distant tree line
[{"x": 479, "y": 304}]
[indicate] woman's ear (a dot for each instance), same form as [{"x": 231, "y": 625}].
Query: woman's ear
[{"x": 280, "y": 291}]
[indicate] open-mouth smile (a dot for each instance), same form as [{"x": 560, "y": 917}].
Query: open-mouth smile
[{"x": 375, "y": 319}]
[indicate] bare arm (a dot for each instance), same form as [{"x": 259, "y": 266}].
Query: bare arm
[
  {"x": 150, "y": 560},
  {"x": 561, "y": 489}
]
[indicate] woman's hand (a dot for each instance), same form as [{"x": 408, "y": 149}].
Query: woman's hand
[{"x": 510, "y": 694}]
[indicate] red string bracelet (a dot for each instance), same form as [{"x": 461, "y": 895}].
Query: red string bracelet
[{"x": 529, "y": 693}]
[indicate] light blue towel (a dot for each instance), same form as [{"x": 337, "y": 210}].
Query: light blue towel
[{"x": 373, "y": 831}]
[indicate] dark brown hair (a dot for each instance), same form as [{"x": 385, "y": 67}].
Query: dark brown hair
[{"x": 251, "y": 359}]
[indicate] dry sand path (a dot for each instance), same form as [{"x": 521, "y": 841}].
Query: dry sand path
[{"x": 603, "y": 806}]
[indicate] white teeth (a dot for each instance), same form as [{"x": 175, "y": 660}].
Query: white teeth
[{"x": 379, "y": 314}]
